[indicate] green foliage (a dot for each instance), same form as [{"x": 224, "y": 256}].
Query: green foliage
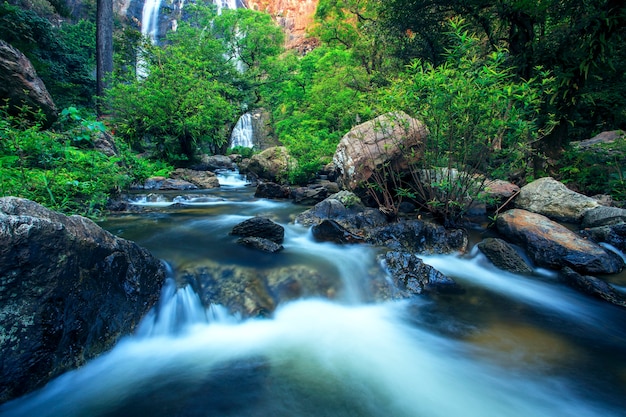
[
  {"x": 242, "y": 151},
  {"x": 63, "y": 56},
  {"x": 59, "y": 171},
  {"x": 481, "y": 119},
  {"x": 597, "y": 169},
  {"x": 192, "y": 94}
]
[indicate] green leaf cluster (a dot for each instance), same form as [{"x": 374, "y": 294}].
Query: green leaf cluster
[{"x": 62, "y": 170}]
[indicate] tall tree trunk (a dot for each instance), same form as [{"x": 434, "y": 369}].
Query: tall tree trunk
[{"x": 104, "y": 49}]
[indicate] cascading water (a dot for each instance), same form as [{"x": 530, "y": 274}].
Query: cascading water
[
  {"x": 243, "y": 133},
  {"x": 150, "y": 19},
  {"x": 510, "y": 346}
]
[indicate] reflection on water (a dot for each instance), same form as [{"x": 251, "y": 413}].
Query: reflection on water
[{"x": 508, "y": 346}]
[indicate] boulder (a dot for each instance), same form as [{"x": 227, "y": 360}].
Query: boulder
[
  {"x": 552, "y": 245},
  {"x": 201, "y": 179},
  {"x": 260, "y": 243},
  {"x": 497, "y": 192},
  {"x": 553, "y": 199},
  {"x": 260, "y": 227},
  {"x": 214, "y": 163},
  {"x": 310, "y": 195},
  {"x": 331, "y": 231},
  {"x": 386, "y": 140},
  {"x": 504, "y": 256},
  {"x": 614, "y": 235},
  {"x": 603, "y": 216},
  {"x": 271, "y": 190},
  {"x": 68, "y": 291},
  {"x": 411, "y": 274},
  {"x": 417, "y": 236},
  {"x": 609, "y": 136},
  {"x": 165, "y": 184},
  {"x": 20, "y": 85},
  {"x": 272, "y": 164},
  {"x": 592, "y": 286}
]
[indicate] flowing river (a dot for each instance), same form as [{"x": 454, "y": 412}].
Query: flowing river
[{"x": 507, "y": 346}]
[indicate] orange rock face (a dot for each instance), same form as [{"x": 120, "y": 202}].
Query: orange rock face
[{"x": 295, "y": 16}]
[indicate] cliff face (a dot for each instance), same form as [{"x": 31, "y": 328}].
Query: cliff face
[{"x": 293, "y": 15}]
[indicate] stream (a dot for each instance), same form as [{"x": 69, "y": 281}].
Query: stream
[{"x": 507, "y": 346}]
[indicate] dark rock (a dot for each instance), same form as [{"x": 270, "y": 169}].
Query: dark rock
[
  {"x": 105, "y": 143},
  {"x": 271, "y": 190},
  {"x": 20, "y": 85},
  {"x": 260, "y": 243},
  {"x": 331, "y": 231},
  {"x": 411, "y": 274},
  {"x": 309, "y": 195},
  {"x": 68, "y": 291},
  {"x": 504, "y": 256},
  {"x": 417, "y": 236},
  {"x": 260, "y": 227},
  {"x": 552, "y": 245},
  {"x": 614, "y": 235},
  {"x": 592, "y": 286}
]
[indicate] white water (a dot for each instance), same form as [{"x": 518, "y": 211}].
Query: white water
[
  {"x": 150, "y": 19},
  {"x": 225, "y": 4},
  {"x": 314, "y": 358},
  {"x": 243, "y": 132}
]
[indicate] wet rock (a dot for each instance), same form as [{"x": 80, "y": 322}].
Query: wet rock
[
  {"x": 272, "y": 190},
  {"x": 165, "y": 184},
  {"x": 260, "y": 243},
  {"x": 553, "y": 199},
  {"x": 417, "y": 236},
  {"x": 20, "y": 85},
  {"x": 614, "y": 235},
  {"x": 385, "y": 140},
  {"x": 331, "y": 231},
  {"x": 68, "y": 291},
  {"x": 260, "y": 227},
  {"x": 201, "y": 179},
  {"x": 411, "y": 274},
  {"x": 552, "y": 245},
  {"x": 592, "y": 286},
  {"x": 310, "y": 195},
  {"x": 504, "y": 256},
  {"x": 346, "y": 209}
]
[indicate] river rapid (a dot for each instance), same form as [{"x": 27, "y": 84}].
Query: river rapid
[{"x": 507, "y": 346}]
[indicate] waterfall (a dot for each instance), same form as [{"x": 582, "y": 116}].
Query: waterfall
[
  {"x": 243, "y": 132},
  {"x": 150, "y": 19},
  {"x": 225, "y": 4}
]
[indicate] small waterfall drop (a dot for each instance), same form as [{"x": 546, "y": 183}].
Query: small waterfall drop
[
  {"x": 150, "y": 19},
  {"x": 243, "y": 132},
  {"x": 225, "y": 4}
]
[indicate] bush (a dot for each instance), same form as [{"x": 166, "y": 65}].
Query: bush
[{"x": 62, "y": 170}]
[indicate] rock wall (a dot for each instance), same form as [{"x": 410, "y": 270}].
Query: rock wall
[{"x": 295, "y": 16}]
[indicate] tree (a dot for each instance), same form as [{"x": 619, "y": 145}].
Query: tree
[{"x": 104, "y": 48}]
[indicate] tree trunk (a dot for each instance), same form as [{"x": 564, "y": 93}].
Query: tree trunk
[{"x": 104, "y": 49}]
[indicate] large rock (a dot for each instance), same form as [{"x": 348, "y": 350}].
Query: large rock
[
  {"x": 504, "y": 256},
  {"x": 386, "y": 140},
  {"x": 68, "y": 291},
  {"x": 214, "y": 163},
  {"x": 272, "y": 164},
  {"x": 412, "y": 275},
  {"x": 20, "y": 84},
  {"x": 592, "y": 286},
  {"x": 553, "y": 199},
  {"x": 552, "y": 245},
  {"x": 201, "y": 179},
  {"x": 260, "y": 227}
]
